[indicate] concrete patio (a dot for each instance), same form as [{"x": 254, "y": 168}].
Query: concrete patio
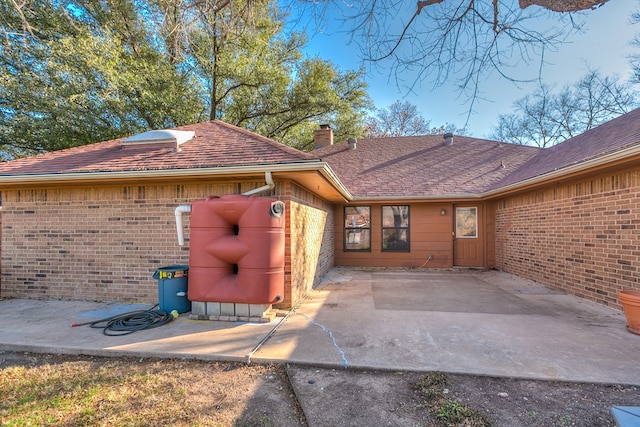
[{"x": 456, "y": 321}]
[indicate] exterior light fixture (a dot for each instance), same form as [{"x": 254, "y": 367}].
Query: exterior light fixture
[{"x": 443, "y": 211}]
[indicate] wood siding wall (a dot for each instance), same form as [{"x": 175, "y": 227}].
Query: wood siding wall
[
  {"x": 582, "y": 237},
  {"x": 430, "y": 234}
]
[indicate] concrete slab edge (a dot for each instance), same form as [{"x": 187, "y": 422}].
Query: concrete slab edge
[{"x": 264, "y": 361}]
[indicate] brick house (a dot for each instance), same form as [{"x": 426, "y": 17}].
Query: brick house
[
  {"x": 567, "y": 216},
  {"x": 94, "y": 222}
]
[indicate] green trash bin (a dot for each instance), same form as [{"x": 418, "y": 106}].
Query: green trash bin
[{"x": 172, "y": 288}]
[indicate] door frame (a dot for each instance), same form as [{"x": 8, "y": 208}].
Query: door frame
[{"x": 468, "y": 251}]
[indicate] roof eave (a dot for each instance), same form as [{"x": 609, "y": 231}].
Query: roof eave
[{"x": 8, "y": 181}]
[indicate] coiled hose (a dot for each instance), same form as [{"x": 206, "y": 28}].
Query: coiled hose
[{"x": 127, "y": 323}]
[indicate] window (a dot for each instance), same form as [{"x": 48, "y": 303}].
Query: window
[
  {"x": 395, "y": 228},
  {"x": 357, "y": 228},
  {"x": 466, "y": 223}
]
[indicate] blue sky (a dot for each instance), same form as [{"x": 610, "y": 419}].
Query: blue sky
[{"x": 604, "y": 45}]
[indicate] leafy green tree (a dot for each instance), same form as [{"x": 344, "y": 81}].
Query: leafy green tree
[
  {"x": 290, "y": 110},
  {"x": 259, "y": 79},
  {"x": 89, "y": 70},
  {"x": 86, "y": 76}
]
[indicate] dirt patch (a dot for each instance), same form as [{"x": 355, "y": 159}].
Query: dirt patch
[
  {"x": 191, "y": 392},
  {"x": 511, "y": 402}
]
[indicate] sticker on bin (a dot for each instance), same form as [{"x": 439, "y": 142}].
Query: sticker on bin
[{"x": 172, "y": 274}]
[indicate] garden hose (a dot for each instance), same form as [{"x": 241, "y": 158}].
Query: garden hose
[
  {"x": 127, "y": 323},
  {"x": 429, "y": 258}
]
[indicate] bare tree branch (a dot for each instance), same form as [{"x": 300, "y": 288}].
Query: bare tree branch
[
  {"x": 422, "y": 4},
  {"x": 548, "y": 117},
  {"x": 564, "y": 5}
]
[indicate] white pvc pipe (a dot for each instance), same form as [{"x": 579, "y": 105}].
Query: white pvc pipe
[
  {"x": 270, "y": 185},
  {"x": 179, "y": 210}
]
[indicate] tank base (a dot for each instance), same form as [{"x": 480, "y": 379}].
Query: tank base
[{"x": 232, "y": 312}]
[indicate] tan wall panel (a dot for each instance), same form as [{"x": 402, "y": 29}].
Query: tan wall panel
[{"x": 430, "y": 234}]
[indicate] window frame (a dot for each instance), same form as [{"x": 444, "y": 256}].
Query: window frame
[
  {"x": 457, "y": 224},
  {"x": 398, "y": 229},
  {"x": 358, "y": 229}
]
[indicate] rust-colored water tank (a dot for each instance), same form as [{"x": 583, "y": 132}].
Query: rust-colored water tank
[{"x": 236, "y": 250}]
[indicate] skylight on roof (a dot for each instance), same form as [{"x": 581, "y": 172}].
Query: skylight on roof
[{"x": 166, "y": 136}]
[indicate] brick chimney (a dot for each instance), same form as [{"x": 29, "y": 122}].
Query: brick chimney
[{"x": 322, "y": 137}]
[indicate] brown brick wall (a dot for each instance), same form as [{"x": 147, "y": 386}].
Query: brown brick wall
[
  {"x": 311, "y": 241},
  {"x": 98, "y": 244},
  {"x": 582, "y": 237}
]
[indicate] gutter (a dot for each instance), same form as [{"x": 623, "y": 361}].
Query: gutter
[
  {"x": 463, "y": 196},
  {"x": 331, "y": 176}
]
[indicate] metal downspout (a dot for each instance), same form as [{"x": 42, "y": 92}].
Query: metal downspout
[{"x": 270, "y": 185}]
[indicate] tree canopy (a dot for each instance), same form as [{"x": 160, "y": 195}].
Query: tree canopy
[
  {"x": 80, "y": 79},
  {"x": 80, "y": 71},
  {"x": 434, "y": 40}
]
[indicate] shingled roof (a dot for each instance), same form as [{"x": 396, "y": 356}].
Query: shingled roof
[
  {"x": 216, "y": 144},
  {"x": 423, "y": 166},
  {"x": 413, "y": 167},
  {"x": 611, "y": 137}
]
